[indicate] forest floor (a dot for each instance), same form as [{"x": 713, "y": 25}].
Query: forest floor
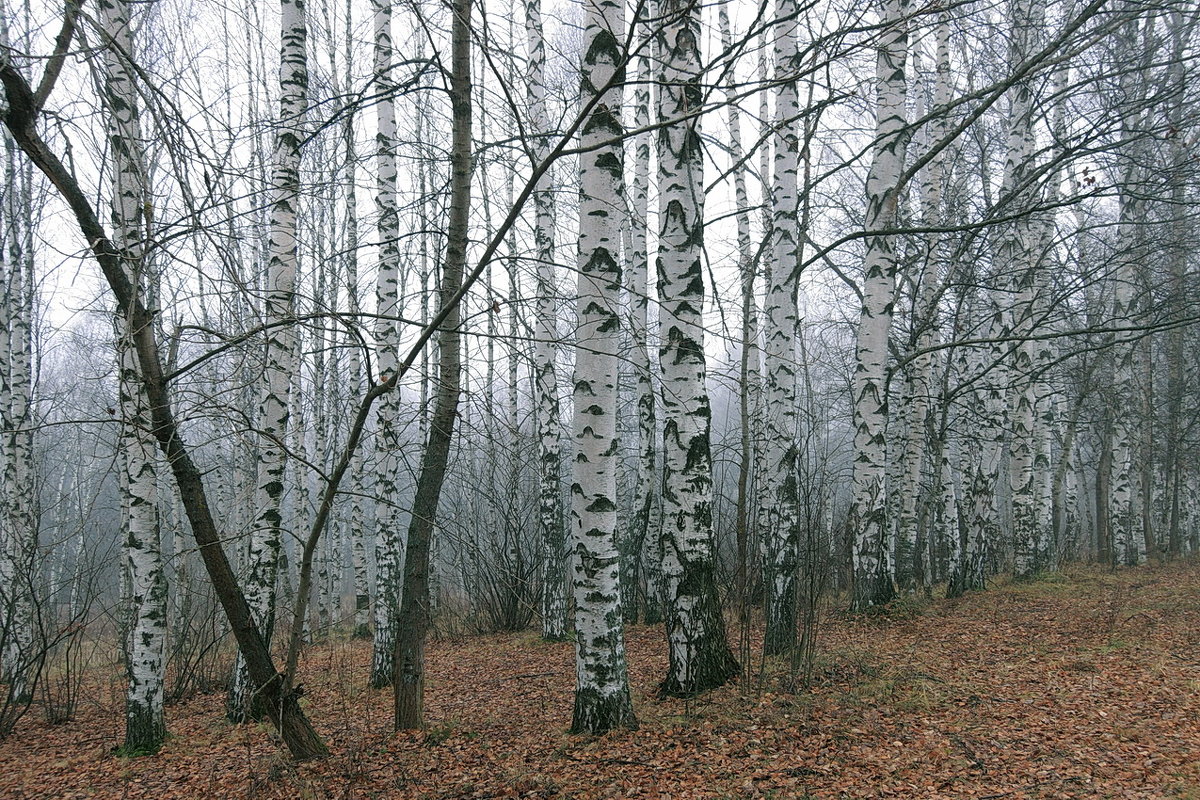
[{"x": 1084, "y": 684}]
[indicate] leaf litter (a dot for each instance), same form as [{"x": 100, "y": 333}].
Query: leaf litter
[{"x": 1080, "y": 685}]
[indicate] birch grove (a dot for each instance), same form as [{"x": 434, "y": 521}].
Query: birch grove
[{"x": 443, "y": 320}]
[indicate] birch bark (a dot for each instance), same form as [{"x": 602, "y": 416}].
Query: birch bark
[
  {"x": 1016, "y": 257},
  {"x": 639, "y": 534},
  {"x": 550, "y": 511},
  {"x": 389, "y": 549},
  {"x": 933, "y": 179},
  {"x": 357, "y": 531},
  {"x": 602, "y": 699},
  {"x": 1127, "y": 545},
  {"x": 780, "y": 541},
  {"x": 280, "y": 342},
  {"x": 873, "y": 573},
  {"x": 145, "y": 725},
  {"x": 699, "y": 655},
  {"x": 749, "y": 384},
  {"x": 18, "y": 520}
]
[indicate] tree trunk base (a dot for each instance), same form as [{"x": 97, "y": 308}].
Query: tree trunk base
[
  {"x": 711, "y": 670},
  {"x": 597, "y": 713}
]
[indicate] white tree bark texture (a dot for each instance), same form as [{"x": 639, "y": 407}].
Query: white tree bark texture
[
  {"x": 549, "y": 417},
  {"x": 389, "y": 547},
  {"x": 698, "y": 652},
  {"x": 145, "y": 725},
  {"x": 602, "y": 698},
  {"x": 874, "y": 582},
  {"x": 780, "y": 537}
]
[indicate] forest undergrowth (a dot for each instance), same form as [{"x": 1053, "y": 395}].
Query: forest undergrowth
[{"x": 1080, "y": 684}]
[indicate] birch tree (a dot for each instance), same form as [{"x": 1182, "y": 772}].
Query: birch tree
[
  {"x": 357, "y": 374},
  {"x": 933, "y": 179},
  {"x": 18, "y": 523},
  {"x": 699, "y": 655},
  {"x": 873, "y": 578},
  {"x": 21, "y": 118},
  {"x": 280, "y": 340},
  {"x": 749, "y": 372},
  {"x": 602, "y": 699},
  {"x": 1017, "y": 258},
  {"x": 780, "y": 542},
  {"x": 145, "y": 726},
  {"x": 388, "y": 544},
  {"x": 642, "y": 545},
  {"x": 550, "y": 512},
  {"x": 639, "y": 548},
  {"x": 1128, "y": 547}
]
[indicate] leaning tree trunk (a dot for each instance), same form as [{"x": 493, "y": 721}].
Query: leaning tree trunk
[
  {"x": 550, "y": 512},
  {"x": 602, "y": 699},
  {"x": 282, "y": 706},
  {"x": 280, "y": 341},
  {"x": 145, "y": 725},
  {"x": 873, "y": 579},
  {"x": 698, "y": 653},
  {"x": 408, "y": 679},
  {"x": 388, "y": 544}
]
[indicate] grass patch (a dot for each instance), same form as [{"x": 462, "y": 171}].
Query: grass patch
[
  {"x": 437, "y": 735},
  {"x": 902, "y": 689}
]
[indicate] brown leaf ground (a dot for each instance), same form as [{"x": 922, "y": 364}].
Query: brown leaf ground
[{"x": 1077, "y": 685}]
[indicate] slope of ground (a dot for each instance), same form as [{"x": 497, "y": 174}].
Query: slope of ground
[{"x": 1078, "y": 685}]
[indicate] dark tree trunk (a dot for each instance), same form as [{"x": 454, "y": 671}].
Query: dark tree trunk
[{"x": 409, "y": 680}]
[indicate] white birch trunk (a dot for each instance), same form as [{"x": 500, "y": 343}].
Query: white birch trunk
[
  {"x": 602, "y": 699},
  {"x": 1123, "y": 521},
  {"x": 763, "y": 486},
  {"x": 549, "y": 423},
  {"x": 10, "y": 656},
  {"x": 301, "y": 512},
  {"x": 1016, "y": 257},
  {"x": 18, "y": 521},
  {"x": 643, "y": 545},
  {"x": 780, "y": 538},
  {"x": 932, "y": 181},
  {"x": 388, "y": 544},
  {"x": 698, "y": 653},
  {"x": 947, "y": 516},
  {"x": 260, "y": 585},
  {"x": 145, "y": 725},
  {"x": 749, "y": 386},
  {"x": 356, "y": 530},
  {"x": 873, "y": 578},
  {"x": 975, "y": 512}
]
